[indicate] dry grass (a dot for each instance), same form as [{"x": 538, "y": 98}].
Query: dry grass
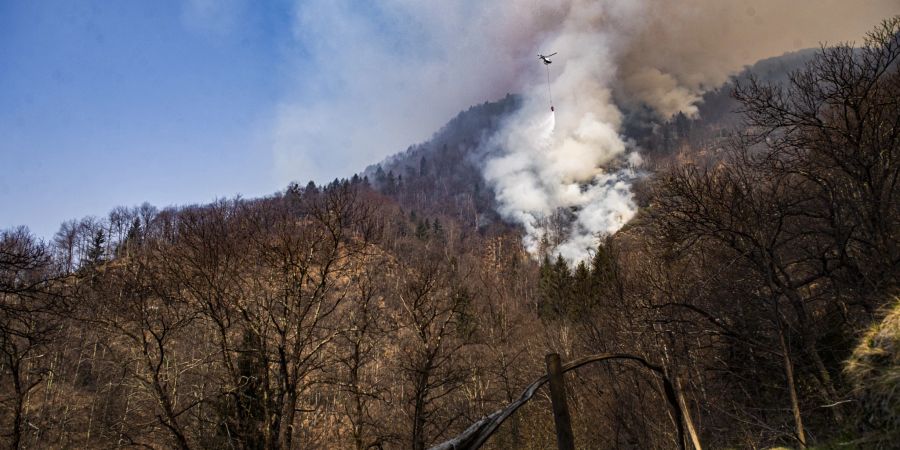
[{"x": 874, "y": 372}]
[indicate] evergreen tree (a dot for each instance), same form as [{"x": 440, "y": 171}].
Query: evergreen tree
[
  {"x": 437, "y": 229},
  {"x": 390, "y": 184},
  {"x": 682, "y": 125},
  {"x": 423, "y": 167},
  {"x": 555, "y": 286},
  {"x": 95, "y": 253},
  {"x": 582, "y": 291},
  {"x": 603, "y": 272},
  {"x": 380, "y": 176},
  {"x": 422, "y": 229},
  {"x": 293, "y": 188},
  {"x": 132, "y": 237}
]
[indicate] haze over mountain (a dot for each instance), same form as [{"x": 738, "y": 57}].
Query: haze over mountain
[{"x": 465, "y": 156}]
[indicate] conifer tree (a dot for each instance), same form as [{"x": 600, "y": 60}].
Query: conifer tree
[
  {"x": 582, "y": 291},
  {"x": 95, "y": 253},
  {"x": 555, "y": 286}
]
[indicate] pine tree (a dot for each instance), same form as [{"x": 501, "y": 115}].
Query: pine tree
[
  {"x": 582, "y": 291},
  {"x": 132, "y": 237},
  {"x": 293, "y": 188},
  {"x": 422, "y": 229},
  {"x": 423, "y": 167},
  {"x": 555, "y": 287},
  {"x": 603, "y": 272},
  {"x": 390, "y": 184},
  {"x": 437, "y": 229},
  {"x": 95, "y": 253}
]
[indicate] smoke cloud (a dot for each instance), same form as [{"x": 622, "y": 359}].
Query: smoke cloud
[
  {"x": 394, "y": 71},
  {"x": 566, "y": 179}
]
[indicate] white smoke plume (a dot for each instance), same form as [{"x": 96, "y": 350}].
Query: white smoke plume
[
  {"x": 566, "y": 177},
  {"x": 397, "y": 88}
]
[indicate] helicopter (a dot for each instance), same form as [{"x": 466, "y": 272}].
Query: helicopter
[{"x": 546, "y": 60}]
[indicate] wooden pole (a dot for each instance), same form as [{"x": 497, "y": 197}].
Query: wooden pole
[
  {"x": 564, "y": 437},
  {"x": 479, "y": 432}
]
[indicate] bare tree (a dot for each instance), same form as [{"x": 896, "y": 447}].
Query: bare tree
[
  {"x": 144, "y": 320},
  {"x": 836, "y": 126},
  {"x": 432, "y": 313},
  {"x": 28, "y": 324},
  {"x": 361, "y": 355}
]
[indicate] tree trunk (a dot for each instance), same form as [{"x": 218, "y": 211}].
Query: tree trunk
[
  {"x": 19, "y": 418},
  {"x": 288, "y": 410},
  {"x": 827, "y": 390},
  {"x": 789, "y": 373},
  {"x": 688, "y": 421},
  {"x": 418, "y": 437}
]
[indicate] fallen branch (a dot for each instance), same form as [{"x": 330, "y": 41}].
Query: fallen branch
[{"x": 478, "y": 433}]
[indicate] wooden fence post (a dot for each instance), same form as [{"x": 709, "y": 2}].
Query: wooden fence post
[{"x": 564, "y": 437}]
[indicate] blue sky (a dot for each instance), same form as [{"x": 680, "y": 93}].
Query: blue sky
[
  {"x": 116, "y": 103},
  {"x": 109, "y": 103}
]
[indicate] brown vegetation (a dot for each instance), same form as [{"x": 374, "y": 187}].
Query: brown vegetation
[{"x": 396, "y": 315}]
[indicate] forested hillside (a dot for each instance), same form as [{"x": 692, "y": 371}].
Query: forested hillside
[{"x": 394, "y": 308}]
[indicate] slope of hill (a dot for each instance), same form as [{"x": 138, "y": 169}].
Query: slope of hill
[{"x": 442, "y": 175}]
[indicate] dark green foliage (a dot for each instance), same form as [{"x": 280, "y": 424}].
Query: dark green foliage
[
  {"x": 572, "y": 293},
  {"x": 390, "y": 184},
  {"x": 463, "y": 307},
  {"x": 604, "y": 272},
  {"x": 95, "y": 254},
  {"x": 582, "y": 291},
  {"x": 437, "y": 229},
  {"x": 555, "y": 287},
  {"x": 422, "y": 229},
  {"x": 132, "y": 239}
]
